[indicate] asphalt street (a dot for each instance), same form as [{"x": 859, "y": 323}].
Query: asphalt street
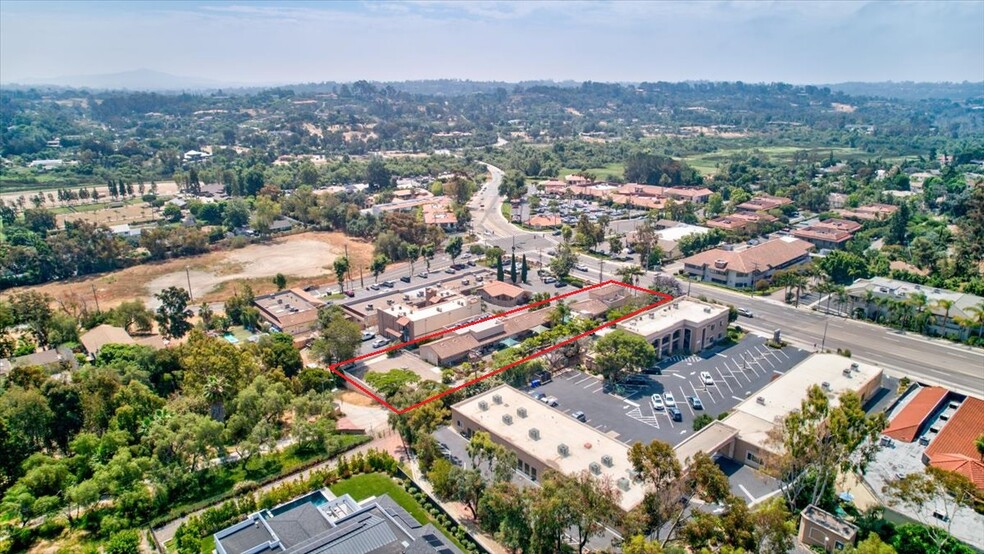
[{"x": 931, "y": 361}]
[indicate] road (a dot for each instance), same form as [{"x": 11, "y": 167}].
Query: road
[{"x": 930, "y": 361}]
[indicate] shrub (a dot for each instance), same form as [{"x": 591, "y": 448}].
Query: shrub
[{"x": 124, "y": 542}]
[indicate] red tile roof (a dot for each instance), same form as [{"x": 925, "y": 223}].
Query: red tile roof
[
  {"x": 905, "y": 426},
  {"x": 762, "y": 257},
  {"x": 958, "y": 435},
  {"x": 970, "y": 468}
]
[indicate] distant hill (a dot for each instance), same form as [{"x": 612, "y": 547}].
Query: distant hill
[
  {"x": 138, "y": 79},
  {"x": 908, "y": 90}
]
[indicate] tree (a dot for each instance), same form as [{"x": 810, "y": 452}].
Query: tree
[
  {"x": 843, "y": 268},
  {"x": 172, "y": 213},
  {"x": 871, "y": 545},
  {"x": 33, "y": 309},
  {"x": 630, "y": 274},
  {"x": 946, "y": 306},
  {"x": 657, "y": 465},
  {"x": 266, "y": 212},
  {"x": 775, "y": 527},
  {"x": 500, "y": 275},
  {"x": 979, "y": 445},
  {"x": 378, "y": 265},
  {"x": 413, "y": 254},
  {"x": 173, "y": 313},
  {"x": 453, "y": 247},
  {"x": 524, "y": 270},
  {"x": 391, "y": 382},
  {"x": 341, "y": 266},
  {"x": 427, "y": 251},
  {"x": 512, "y": 269},
  {"x": 563, "y": 261},
  {"x": 898, "y": 225},
  {"x": 280, "y": 281},
  {"x": 933, "y": 491},
  {"x": 277, "y": 352},
  {"x": 615, "y": 244},
  {"x": 593, "y": 501},
  {"x": 377, "y": 175},
  {"x": 818, "y": 442},
  {"x": 236, "y": 213},
  {"x": 621, "y": 352},
  {"x": 339, "y": 337},
  {"x": 203, "y": 357},
  {"x": 132, "y": 316}
]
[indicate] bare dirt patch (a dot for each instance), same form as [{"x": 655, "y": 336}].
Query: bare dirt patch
[
  {"x": 356, "y": 398},
  {"x": 845, "y": 108},
  {"x": 164, "y": 188},
  {"x": 135, "y": 213},
  {"x": 305, "y": 258}
]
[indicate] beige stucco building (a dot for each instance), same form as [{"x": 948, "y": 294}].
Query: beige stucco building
[
  {"x": 404, "y": 322},
  {"x": 683, "y": 325}
]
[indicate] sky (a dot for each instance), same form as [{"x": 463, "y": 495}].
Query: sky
[{"x": 292, "y": 42}]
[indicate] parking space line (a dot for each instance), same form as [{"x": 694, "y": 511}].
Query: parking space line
[
  {"x": 725, "y": 380},
  {"x": 583, "y": 380},
  {"x": 598, "y": 389},
  {"x": 686, "y": 402},
  {"x": 680, "y": 376},
  {"x": 589, "y": 385},
  {"x": 739, "y": 399}
]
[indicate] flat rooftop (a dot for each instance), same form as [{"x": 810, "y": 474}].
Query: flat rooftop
[
  {"x": 585, "y": 444},
  {"x": 419, "y": 314},
  {"x": 288, "y": 301},
  {"x": 756, "y": 415},
  {"x": 662, "y": 318}
]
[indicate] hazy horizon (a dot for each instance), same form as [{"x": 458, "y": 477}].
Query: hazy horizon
[{"x": 262, "y": 43}]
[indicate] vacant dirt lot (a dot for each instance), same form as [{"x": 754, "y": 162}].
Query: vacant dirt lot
[
  {"x": 136, "y": 213},
  {"x": 164, "y": 188},
  {"x": 305, "y": 258}
]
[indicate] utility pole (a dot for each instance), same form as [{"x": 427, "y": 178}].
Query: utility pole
[
  {"x": 188, "y": 275},
  {"x": 824, "y": 341},
  {"x": 94, "y": 297},
  {"x": 601, "y": 271},
  {"x": 362, "y": 282}
]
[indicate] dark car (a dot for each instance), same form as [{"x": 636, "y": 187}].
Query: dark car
[
  {"x": 349, "y": 293},
  {"x": 579, "y": 415},
  {"x": 675, "y": 414},
  {"x": 405, "y": 278},
  {"x": 695, "y": 403},
  {"x": 656, "y": 370}
]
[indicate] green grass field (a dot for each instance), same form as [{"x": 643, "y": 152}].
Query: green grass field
[
  {"x": 363, "y": 486},
  {"x": 603, "y": 173},
  {"x": 708, "y": 163}
]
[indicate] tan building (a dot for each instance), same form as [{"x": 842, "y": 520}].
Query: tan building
[
  {"x": 683, "y": 325},
  {"x": 831, "y": 234},
  {"x": 751, "y": 221},
  {"x": 544, "y": 438},
  {"x": 823, "y": 529},
  {"x": 475, "y": 340},
  {"x": 403, "y": 322},
  {"x": 764, "y": 203},
  {"x": 101, "y": 335},
  {"x": 499, "y": 293},
  {"x": 293, "y": 311},
  {"x": 757, "y": 416},
  {"x": 742, "y": 268}
]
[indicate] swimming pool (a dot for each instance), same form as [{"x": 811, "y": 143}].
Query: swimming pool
[
  {"x": 231, "y": 338},
  {"x": 317, "y": 498}
]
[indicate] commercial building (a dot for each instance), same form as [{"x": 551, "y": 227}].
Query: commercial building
[
  {"x": 949, "y": 308},
  {"x": 544, "y": 438},
  {"x": 474, "y": 340},
  {"x": 405, "y": 322},
  {"x": 741, "y": 221},
  {"x": 292, "y": 311},
  {"x": 319, "y": 522},
  {"x": 756, "y": 417},
  {"x": 763, "y": 203},
  {"x": 831, "y": 234},
  {"x": 743, "y": 267},
  {"x": 499, "y": 293},
  {"x": 683, "y": 325},
  {"x": 825, "y": 530}
]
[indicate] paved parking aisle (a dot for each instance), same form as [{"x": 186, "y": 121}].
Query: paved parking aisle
[{"x": 625, "y": 410}]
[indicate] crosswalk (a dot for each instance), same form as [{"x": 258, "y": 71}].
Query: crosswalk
[{"x": 681, "y": 358}]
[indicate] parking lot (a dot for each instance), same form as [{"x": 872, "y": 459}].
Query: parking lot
[{"x": 626, "y": 413}]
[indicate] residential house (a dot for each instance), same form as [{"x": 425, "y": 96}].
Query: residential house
[
  {"x": 763, "y": 203},
  {"x": 504, "y": 295},
  {"x": 831, "y": 234},
  {"x": 954, "y": 313}
]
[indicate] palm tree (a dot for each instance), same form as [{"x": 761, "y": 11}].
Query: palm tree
[
  {"x": 979, "y": 444},
  {"x": 869, "y": 299},
  {"x": 946, "y": 306},
  {"x": 977, "y": 316},
  {"x": 919, "y": 301},
  {"x": 560, "y": 313},
  {"x": 630, "y": 274},
  {"x": 214, "y": 392}
]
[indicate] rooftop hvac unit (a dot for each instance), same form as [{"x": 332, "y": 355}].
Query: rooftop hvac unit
[
  {"x": 507, "y": 419},
  {"x": 855, "y": 367},
  {"x": 847, "y": 372},
  {"x": 760, "y": 400},
  {"x": 535, "y": 434},
  {"x": 825, "y": 385},
  {"x": 595, "y": 468},
  {"x": 923, "y": 441},
  {"x": 623, "y": 483},
  {"x": 483, "y": 405},
  {"x": 521, "y": 412},
  {"x": 563, "y": 450},
  {"x": 497, "y": 398},
  {"x": 607, "y": 460}
]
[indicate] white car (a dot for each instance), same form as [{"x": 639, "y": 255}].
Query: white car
[
  {"x": 657, "y": 402},
  {"x": 706, "y": 378},
  {"x": 549, "y": 400},
  {"x": 366, "y": 335},
  {"x": 581, "y": 267},
  {"x": 379, "y": 343},
  {"x": 669, "y": 400}
]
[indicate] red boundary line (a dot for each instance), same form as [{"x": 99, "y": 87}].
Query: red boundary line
[{"x": 334, "y": 367}]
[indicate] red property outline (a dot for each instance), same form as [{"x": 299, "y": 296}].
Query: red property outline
[{"x": 334, "y": 367}]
